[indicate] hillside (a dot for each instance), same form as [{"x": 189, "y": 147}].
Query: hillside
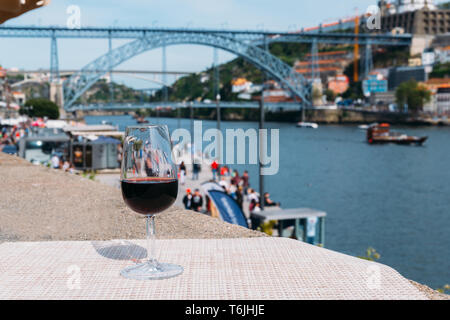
[{"x": 201, "y": 86}]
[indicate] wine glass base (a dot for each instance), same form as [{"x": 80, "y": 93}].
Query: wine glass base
[{"x": 147, "y": 271}]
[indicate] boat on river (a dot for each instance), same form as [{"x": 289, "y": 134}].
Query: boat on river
[
  {"x": 310, "y": 125},
  {"x": 142, "y": 120},
  {"x": 381, "y": 133}
]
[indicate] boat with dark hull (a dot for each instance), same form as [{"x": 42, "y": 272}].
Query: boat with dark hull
[
  {"x": 142, "y": 120},
  {"x": 381, "y": 134}
]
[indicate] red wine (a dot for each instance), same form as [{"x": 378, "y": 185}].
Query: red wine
[{"x": 149, "y": 195}]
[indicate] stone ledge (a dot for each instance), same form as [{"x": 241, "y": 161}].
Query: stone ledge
[{"x": 42, "y": 204}]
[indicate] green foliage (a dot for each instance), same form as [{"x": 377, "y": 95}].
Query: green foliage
[
  {"x": 384, "y": 58},
  {"x": 16, "y": 78},
  {"x": 40, "y": 107},
  {"x": 267, "y": 227},
  {"x": 330, "y": 95},
  {"x": 412, "y": 94},
  {"x": 290, "y": 52},
  {"x": 191, "y": 88},
  {"x": 441, "y": 71},
  {"x": 100, "y": 92},
  {"x": 90, "y": 175},
  {"x": 354, "y": 91},
  {"x": 444, "y": 289},
  {"x": 445, "y": 5},
  {"x": 371, "y": 255}
]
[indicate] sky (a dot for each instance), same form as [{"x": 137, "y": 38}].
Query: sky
[{"x": 280, "y": 15}]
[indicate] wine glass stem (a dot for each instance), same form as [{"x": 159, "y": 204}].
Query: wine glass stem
[{"x": 151, "y": 235}]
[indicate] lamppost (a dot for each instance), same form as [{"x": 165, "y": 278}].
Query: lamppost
[{"x": 219, "y": 146}]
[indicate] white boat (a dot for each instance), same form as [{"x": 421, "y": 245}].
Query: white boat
[
  {"x": 363, "y": 127},
  {"x": 310, "y": 125}
]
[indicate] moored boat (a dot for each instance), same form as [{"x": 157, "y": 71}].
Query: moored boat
[
  {"x": 141, "y": 120},
  {"x": 381, "y": 133}
]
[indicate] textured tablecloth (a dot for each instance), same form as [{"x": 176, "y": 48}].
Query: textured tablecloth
[{"x": 251, "y": 268}]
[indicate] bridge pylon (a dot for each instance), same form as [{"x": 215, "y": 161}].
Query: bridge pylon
[
  {"x": 54, "y": 61},
  {"x": 57, "y": 96}
]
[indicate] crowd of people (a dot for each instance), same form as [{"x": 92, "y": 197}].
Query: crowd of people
[
  {"x": 10, "y": 135},
  {"x": 193, "y": 201},
  {"x": 58, "y": 162},
  {"x": 235, "y": 185}
]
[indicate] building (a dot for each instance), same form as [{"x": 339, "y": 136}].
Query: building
[
  {"x": 403, "y": 6},
  {"x": 440, "y": 97},
  {"x": 240, "y": 85},
  {"x": 273, "y": 93},
  {"x": 338, "y": 84},
  {"x": 329, "y": 64},
  {"x": 443, "y": 100},
  {"x": 421, "y": 18},
  {"x": 415, "y": 17},
  {"x": 375, "y": 82},
  {"x": 428, "y": 57},
  {"x": 382, "y": 98},
  {"x": 414, "y": 62},
  {"x": 19, "y": 97},
  {"x": 399, "y": 75},
  {"x": 443, "y": 55}
]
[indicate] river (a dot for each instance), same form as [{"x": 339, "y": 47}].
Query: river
[{"x": 393, "y": 198}]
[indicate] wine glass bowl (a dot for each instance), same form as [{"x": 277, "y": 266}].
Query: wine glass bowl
[{"x": 149, "y": 186}]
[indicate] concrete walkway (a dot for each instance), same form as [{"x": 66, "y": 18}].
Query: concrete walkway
[{"x": 42, "y": 204}]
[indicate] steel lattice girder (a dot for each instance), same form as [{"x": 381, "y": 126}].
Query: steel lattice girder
[
  {"x": 78, "y": 83},
  {"x": 176, "y": 105},
  {"x": 243, "y": 35}
]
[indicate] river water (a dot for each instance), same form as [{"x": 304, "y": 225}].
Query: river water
[{"x": 393, "y": 198}]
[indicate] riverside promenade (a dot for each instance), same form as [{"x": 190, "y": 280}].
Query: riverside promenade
[{"x": 66, "y": 237}]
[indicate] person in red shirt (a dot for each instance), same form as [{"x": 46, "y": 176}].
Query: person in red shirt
[
  {"x": 214, "y": 168},
  {"x": 224, "y": 171}
]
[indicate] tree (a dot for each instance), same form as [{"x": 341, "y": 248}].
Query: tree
[
  {"x": 330, "y": 95},
  {"x": 441, "y": 70},
  {"x": 412, "y": 94},
  {"x": 40, "y": 108}
]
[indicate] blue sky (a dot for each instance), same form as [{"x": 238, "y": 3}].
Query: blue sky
[{"x": 234, "y": 14}]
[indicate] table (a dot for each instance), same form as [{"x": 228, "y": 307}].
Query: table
[{"x": 249, "y": 268}]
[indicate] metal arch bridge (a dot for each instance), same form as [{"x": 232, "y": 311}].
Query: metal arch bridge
[
  {"x": 242, "y": 43},
  {"x": 78, "y": 83}
]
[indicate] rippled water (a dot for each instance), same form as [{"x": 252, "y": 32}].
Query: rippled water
[{"x": 393, "y": 198}]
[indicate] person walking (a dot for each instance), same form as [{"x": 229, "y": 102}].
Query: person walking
[
  {"x": 244, "y": 180},
  {"x": 182, "y": 173},
  {"x": 214, "y": 168},
  {"x": 240, "y": 197},
  {"x": 195, "y": 171},
  {"x": 236, "y": 179}
]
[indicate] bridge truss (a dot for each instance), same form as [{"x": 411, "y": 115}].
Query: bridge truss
[{"x": 248, "y": 44}]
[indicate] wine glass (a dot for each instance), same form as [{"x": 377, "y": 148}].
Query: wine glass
[{"x": 149, "y": 186}]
